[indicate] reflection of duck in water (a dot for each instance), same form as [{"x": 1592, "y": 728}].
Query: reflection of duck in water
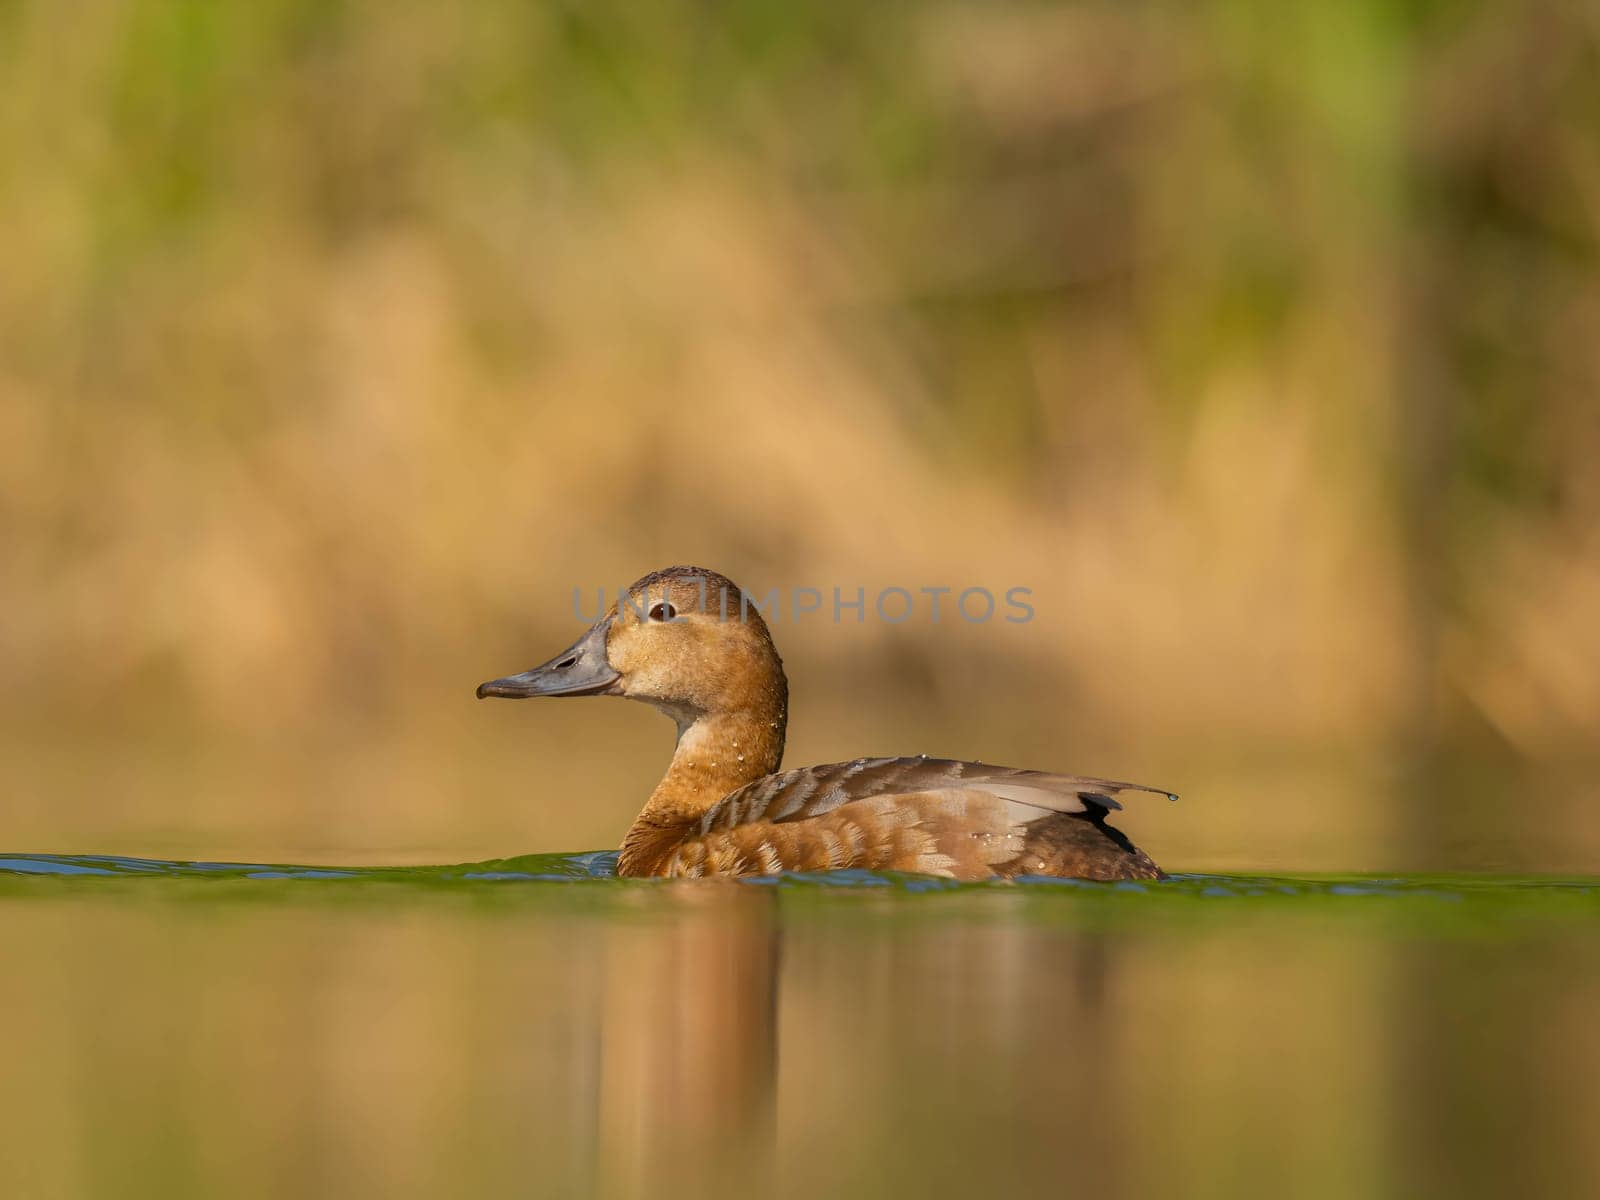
[{"x": 686, "y": 641}]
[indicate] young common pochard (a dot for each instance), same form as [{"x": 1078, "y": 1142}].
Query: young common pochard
[{"x": 685, "y": 640}]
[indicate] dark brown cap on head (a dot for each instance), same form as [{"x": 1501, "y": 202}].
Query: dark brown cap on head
[{"x": 716, "y": 593}]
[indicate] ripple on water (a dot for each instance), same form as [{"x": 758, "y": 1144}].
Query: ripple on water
[{"x": 599, "y": 868}]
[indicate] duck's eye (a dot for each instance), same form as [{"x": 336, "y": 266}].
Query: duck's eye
[{"x": 661, "y": 610}]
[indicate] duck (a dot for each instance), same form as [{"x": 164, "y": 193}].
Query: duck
[{"x": 687, "y": 641}]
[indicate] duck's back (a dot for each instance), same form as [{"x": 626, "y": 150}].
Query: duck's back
[{"x": 944, "y": 817}]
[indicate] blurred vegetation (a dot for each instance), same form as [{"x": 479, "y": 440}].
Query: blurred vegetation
[{"x": 339, "y": 342}]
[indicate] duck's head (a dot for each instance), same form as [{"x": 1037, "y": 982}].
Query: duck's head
[{"x": 684, "y": 639}]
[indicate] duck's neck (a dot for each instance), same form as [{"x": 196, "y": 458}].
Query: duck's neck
[{"x": 717, "y": 753}]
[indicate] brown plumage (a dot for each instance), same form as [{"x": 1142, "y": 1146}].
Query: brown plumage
[{"x": 689, "y": 642}]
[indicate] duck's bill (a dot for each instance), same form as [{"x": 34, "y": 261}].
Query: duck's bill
[{"x": 582, "y": 669}]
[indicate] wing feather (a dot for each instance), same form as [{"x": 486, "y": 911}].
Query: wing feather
[{"x": 807, "y": 792}]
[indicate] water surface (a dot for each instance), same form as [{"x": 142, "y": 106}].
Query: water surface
[{"x": 534, "y": 1026}]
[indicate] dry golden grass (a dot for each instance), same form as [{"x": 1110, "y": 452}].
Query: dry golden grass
[{"x": 337, "y": 346}]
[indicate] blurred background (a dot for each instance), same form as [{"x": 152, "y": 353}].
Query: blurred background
[{"x": 340, "y": 341}]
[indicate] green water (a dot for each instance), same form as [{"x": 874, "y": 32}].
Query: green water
[{"x": 535, "y": 1027}]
